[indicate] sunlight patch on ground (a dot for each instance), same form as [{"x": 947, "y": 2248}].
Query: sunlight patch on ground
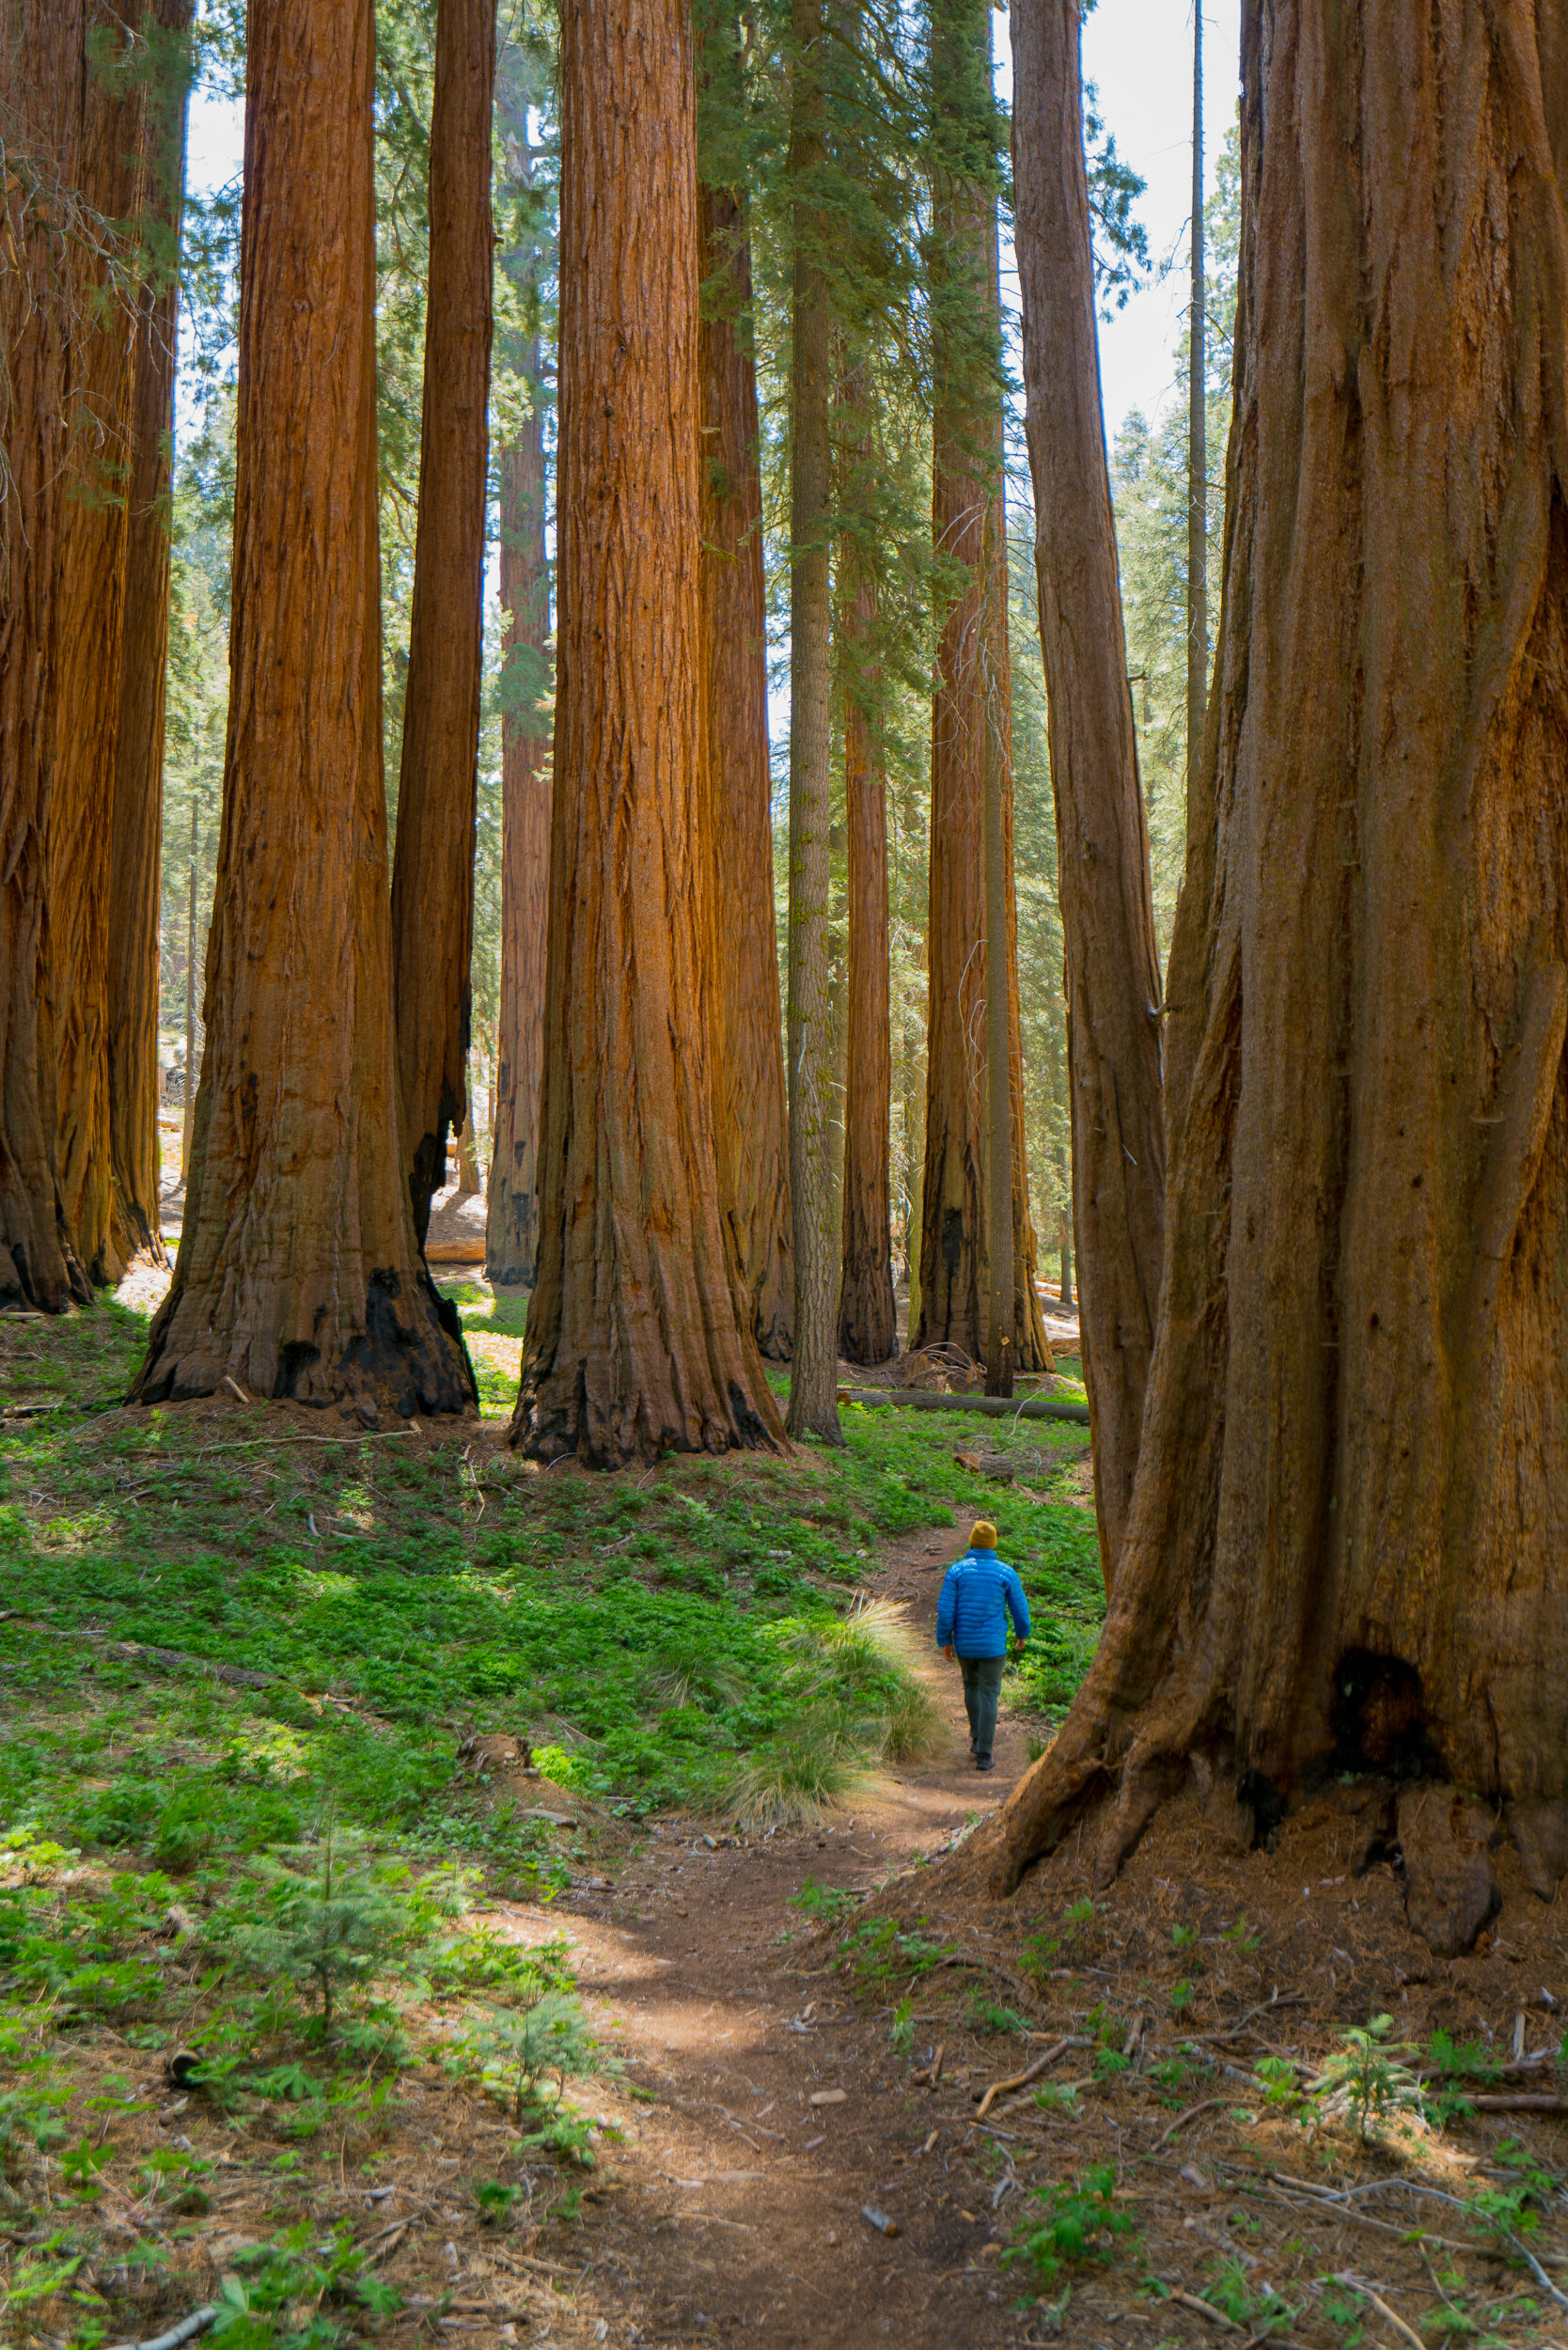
[{"x": 145, "y": 1287}]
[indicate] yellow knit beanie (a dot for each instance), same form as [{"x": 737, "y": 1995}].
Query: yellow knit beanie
[{"x": 982, "y": 1535}]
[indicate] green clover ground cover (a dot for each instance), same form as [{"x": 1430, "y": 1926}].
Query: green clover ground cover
[{"x": 662, "y": 1637}]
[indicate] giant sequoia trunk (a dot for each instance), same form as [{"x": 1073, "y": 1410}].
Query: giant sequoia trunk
[
  {"x": 1346, "y": 1544},
  {"x": 40, "y": 74},
  {"x": 638, "y": 1341},
  {"x": 299, "y": 1274},
  {"x": 85, "y": 701},
  {"x": 815, "y": 1128},
  {"x": 432, "y": 868},
  {"x": 1113, "y": 975},
  {"x": 752, "y": 1130},
  {"x": 511, "y": 1205},
  {"x": 138, "y": 808},
  {"x": 973, "y": 695}
]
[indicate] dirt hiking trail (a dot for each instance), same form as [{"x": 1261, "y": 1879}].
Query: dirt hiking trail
[{"x": 736, "y": 2206}]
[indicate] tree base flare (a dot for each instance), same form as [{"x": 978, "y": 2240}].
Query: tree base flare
[
  {"x": 1443, "y": 1843},
  {"x": 634, "y": 1431},
  {"x": 406, "y": 1356}
]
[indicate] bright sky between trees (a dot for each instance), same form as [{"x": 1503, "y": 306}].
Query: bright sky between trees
[{"x": 1140, "y": 54}]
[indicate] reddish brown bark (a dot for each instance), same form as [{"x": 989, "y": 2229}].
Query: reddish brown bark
[
  {"x": 867, "y": 1331},
  {"x": 973, "y": 692},
  {"x": 750, "y": 1115},
  {"x": 512, "y": 1210},
  {"x": 132, "y": 1055},
  {"x": 636, "y": 1346},
  {"x": 299, "y": 1274},
  {"x": 90, "y": 587},
  {"x": 1113, "y": 975},
  {"x": 1346, "y": 1546},
  {"x": 432, "y": 870},
  {"x": 40, "y": 69}
]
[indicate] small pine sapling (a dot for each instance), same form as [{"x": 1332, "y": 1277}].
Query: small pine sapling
[{"x": 332, "y": 1919}]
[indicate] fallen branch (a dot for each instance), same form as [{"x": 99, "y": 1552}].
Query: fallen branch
[
  {"x": 239, "y": 1674},
  {"x": 187, "y": 2330},
  {"x": 1217, "y": 2317},
  {"x": 1031, "y": 2073},
  {"x": 1382, "y": 2308},
  {"x": 992, "y": 1406},
  {"x": 1183, "y": 2119},
  {"x": 1203, "y": 2309}
]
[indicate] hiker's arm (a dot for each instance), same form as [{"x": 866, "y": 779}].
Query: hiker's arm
[{"x": 944, "y": 1615}]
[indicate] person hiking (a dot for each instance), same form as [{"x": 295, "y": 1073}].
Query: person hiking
[{"x": 979, "y": 1594}]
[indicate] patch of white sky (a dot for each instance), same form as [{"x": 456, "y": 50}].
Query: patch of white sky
[{"x": 1139, "y": 54}]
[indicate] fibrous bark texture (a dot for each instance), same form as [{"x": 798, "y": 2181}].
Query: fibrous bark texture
[
  {"x": 85, "y": 700},
  {"x": 815, "y": 1126},
  {"x": 138, "y": 805},
  {"x": 299, "y": 1274},
  {"x": 866, "y": 1325},
  {"x": 973, "y": 693},
  {"x": 432, "y": 868},
  {"x": 41, "y": 73},
  {"x": 1346, "y": 1544},
  {"x": 750, "y": 1120},
  {"x": 1113, "y": 976},
  {"x": 512, "y": 1206},
  {"x": 636, "y": 1342}
]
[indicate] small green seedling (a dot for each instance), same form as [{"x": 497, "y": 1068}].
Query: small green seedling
[
  {"x": 1079, "y": 2221},
  {"x": 1366, "y": 2078}
]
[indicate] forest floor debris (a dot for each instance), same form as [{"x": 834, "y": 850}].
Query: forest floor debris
[{"x": 1163, "y": 2115}]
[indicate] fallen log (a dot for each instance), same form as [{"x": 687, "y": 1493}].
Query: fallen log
[{"x": 993, "y": 1406}]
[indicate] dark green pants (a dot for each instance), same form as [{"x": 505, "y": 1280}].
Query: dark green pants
[{"x": 982, "y": 1689}]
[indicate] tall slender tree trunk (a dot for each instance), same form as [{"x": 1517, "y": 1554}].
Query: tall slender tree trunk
[
  {"x": 639, "y": 1343},
  {"x": 868, "y": 1325},
  {"x": 973, "y": 678},
  {"x": 188, "y": 1091},
  {"x": 1345, "y": 1549},
  {"x": 41, "y": 67},
  {"x": 999, "y": 1365},
  {"x": 914, "y": 1157},
  {"x": 511, "y": 1208},
  {"x": 751, "y": 1121},
  {"x": 1113, "y": 977},
  {"x": 512, "y": 1212},
  {"x": 299, "y": 1274},
  {"x": 138, "y": 807},
  {"x": 86, "y": 680},
  {"x": 432, "y": 868},
  {"x": 467, "y": 1165},
  {"x": 1198, "y": 456},
  {"x": 815, "y": 1130}
]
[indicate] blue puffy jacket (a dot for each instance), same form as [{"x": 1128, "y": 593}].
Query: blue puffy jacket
[{"x": 979, "y": 1594}]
